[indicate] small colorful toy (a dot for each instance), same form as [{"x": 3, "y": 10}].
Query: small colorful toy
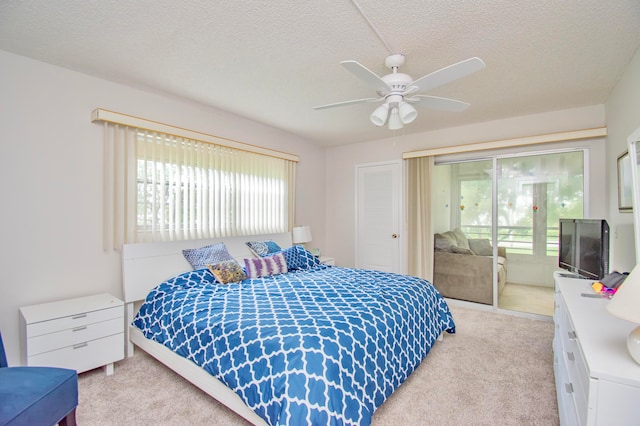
[{"x": 602, "y": 289}]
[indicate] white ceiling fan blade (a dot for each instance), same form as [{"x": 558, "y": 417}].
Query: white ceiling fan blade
[
  {"x": 366, "y": 75},
  {"x": 448, "y": 74},
  {"x": 435, "y": 102},
  {"x": 355, "y": 101}
]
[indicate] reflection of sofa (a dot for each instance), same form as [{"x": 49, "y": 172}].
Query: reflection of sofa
[{"x": 463, "y": 267}]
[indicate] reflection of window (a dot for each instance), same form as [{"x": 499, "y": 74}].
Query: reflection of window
[{"x": 190, "y": 189}]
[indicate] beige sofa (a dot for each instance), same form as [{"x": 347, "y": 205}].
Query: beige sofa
[{"x": 463, "y": 267}]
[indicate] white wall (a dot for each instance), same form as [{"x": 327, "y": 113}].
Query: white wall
[
  {"x": 51, "y": 175},
  {"x": 623, "y": 117},
  {"x": 341, "y": 161}
]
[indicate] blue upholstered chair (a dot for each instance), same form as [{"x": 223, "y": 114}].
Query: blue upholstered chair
[{"x": 37, "y": 395}]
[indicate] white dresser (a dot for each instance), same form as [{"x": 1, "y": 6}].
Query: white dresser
[
  {"x": 597, "y": 381},
  {"x": 80, "y": 334}
]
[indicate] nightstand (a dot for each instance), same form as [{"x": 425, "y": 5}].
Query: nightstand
[
  {"x": 80, "y": 334},
  {"x": 328, "y": 260}
]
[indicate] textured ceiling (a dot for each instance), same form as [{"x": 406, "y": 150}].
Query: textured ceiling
[{"x": 272, "y": 61}]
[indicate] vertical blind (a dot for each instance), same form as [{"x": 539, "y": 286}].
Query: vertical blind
[{"x": 163, "y": 187}]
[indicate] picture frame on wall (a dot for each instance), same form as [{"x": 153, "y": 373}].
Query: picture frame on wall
[{"x": 625, "y": 183}]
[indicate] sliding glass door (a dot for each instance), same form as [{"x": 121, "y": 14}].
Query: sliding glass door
[
  {"x": 533, "y": 192},
  {"x": 463, "y": 216},
  {"x": 502, "y": 213}
]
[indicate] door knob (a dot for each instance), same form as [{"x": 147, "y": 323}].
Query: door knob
[{"x": 394, "y": 235}]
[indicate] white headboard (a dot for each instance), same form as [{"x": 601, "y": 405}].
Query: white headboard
[{"x": 145, "y": 265}]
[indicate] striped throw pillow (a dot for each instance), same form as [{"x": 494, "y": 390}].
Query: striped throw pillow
[{"x": 266, "y": 266}]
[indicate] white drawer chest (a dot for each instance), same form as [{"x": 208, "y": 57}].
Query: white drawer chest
[
  {"x": 597, "y": 381},
  {"x": 79, "y": 334}
]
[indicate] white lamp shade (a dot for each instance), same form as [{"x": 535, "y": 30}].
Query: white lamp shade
[
  {"x": 394, "y": 120},
  {"x": 625, "y": 303},
  {"x": 301, "y": 235},
  {"x": 379, "y": 115},
  {"x": 407, "y": 112}
]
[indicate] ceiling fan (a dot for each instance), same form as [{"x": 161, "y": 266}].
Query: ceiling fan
[{"x": 399, "y": 91}]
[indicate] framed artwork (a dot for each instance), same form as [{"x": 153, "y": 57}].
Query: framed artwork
[{"x": 625, "y": 183}]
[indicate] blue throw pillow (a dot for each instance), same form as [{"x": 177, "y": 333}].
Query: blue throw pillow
[
  {"x": 201, "y": 257},
  {"x": 263, "y": 248},
  {"x": 299, "y": 258}
]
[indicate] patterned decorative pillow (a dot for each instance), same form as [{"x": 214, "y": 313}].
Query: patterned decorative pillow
[
  {"x": 263, "y": 248},
  {"x": 228, "y": 271},
  {"x": 266, "y": 266},
  {"x": 300, "y": 258},
  {"x": 201, "y": 257}
]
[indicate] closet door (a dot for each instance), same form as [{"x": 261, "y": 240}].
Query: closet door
[{"x": 378, "y": 216}]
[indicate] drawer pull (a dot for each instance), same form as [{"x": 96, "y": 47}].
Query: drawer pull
[
  {"x": 569, "y": 387},
  {"x": 80, "y": 345},
  {"x": 84, "y": 327},
  {"x": 571, "y": 356},
  {"x": 79, "y": 316},
  {"x": 572, "y": 335}
]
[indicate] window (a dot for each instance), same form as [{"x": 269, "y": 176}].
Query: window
[
  {"x": 163, "y": 186},
  {"x": 188, "y": 189},
  {"x": 533, "y": 193}
]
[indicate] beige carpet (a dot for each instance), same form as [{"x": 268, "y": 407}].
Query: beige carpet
[
  {"x": 496, "y": 370},
  {"x": 527, "y": 298}
]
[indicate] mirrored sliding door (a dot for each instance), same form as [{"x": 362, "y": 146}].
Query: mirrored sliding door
[{"x": 533, "y": 193}]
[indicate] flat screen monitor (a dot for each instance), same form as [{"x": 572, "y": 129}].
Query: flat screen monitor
[
  {"x": 567, "y": 244},
  {"x": 584, "y": 247}
]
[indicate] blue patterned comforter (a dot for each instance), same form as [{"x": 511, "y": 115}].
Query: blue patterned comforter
[{"x": 321, "y": 346}]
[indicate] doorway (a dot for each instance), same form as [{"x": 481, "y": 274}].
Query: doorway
[{"x": 504, "y": 211}]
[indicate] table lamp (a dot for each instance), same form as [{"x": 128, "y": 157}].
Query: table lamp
[
  {"x": 625, "y": 304},
  {"x": 301, "y": 235}
]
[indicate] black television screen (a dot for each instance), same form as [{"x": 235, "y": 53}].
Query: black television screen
[
  {"x": 567, "y": 244},
  {"x": 584, "y": 247}
]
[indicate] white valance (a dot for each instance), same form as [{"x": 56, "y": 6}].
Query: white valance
[
  {"x": 154, "y": 126},
  {"x": 572, "y": 135}
]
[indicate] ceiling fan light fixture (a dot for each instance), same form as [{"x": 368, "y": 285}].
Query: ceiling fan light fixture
[
  {"x": 380, "y": 114},
  {"x": 395, "y": 122},
  {"x": 398, "y": 89},
  {"x": 407, "y": 112}
]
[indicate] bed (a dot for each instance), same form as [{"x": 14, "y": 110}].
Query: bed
[{"x": 314, "y": 345}]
